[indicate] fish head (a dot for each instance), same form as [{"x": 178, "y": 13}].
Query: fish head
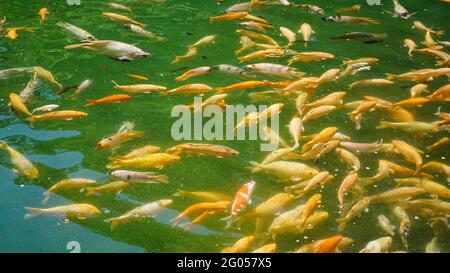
[
  {"x": 127, "y": 26},
  {"x": 165, "y": 202},
  {"x": 141, "y": 53}
]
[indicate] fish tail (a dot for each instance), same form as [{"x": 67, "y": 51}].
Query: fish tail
[
  {"x": 31, "y": 212},
  {"x": 162, "y": 178},
  {"x": 91, "y": 102},
  {"x": 390, "y": 76},
  {"x": 46, "y": 197},
  {"x": 115, "y": 83},
  {"x": 439, "y": 33},
  {"x": 115, "y": 158},
  {"x": 3, "y": 145},
  {"x": 114, "y": 222},
  {"x": 342, "y": 223},
  {"x": 33, "y": 119},
  {"x": 136, "y": 133},
  {"x": 74, "y": 46},
  {"x": 256, "y": 166},
  {"x": 179, "y": 193}
]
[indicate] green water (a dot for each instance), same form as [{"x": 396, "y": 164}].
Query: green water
[{"x": 62, "y": 149}]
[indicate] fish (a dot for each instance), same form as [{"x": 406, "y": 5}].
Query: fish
[
  {"x": 149, "y": 149},
  {"x": 122, "y": 18},
  {"x": 441, "y": 94},
  {"x": 400, "y": 11},
  {"x": 116, "y": 140},
  {"x": 229, "y": 16},
  {"x": 81, "y": 87},
  {"x": 385, "y": 224},
  {"x": 68, "y": 184},
  {"x": 295, "y": 129},
  {"x": 350, "y": 20},
  {"x": 257, "y": 36},
  {"x": 268, "y": 208},
  {"x": 73, "y": 211},
  {"x": 111, "y": 187},
  {"x": 202, "y": 149},
  {"x": 143, "y": 32},
  {"x": 311, "y": 8},
  {"x": 306, "y": 31},
  {"x": 419, "y": 75},
  {"x": 288, "y": 221},
  {"x": 349, "y": 159},
  {"x": 57, "y": 115},
  {"x": 311, "y": 205},
  {"x": 348, "y": 183},
  {"x": 251, "y": 25},
  {"x": 80, "y": 33},
  {"x": 139, "y": 177},
  {"x": 202, "y": 70},
  {"x": 269, "y": 248},
  {"x": 418, "y": 89},
  {"x": 45, "y": 108},
  {"x": 155, "y": 160},
  {"x": 409, "y": 153},
  {"x": 43, "y": 12},
  {"x": 204, "y": 196},
  {"x": 405, "y": 224},
  {"x": 310, "y": 56},
  {"x": 354, "y": 211},
  {"x": 420, "y": 26},
  {"x": 438, "y": 166},
  {"x": 261, "y": 54},
  {"x": 434, "y": 205},
  {"x": 394, "y": 195},
  {"x": 335, "y": 99},
  {"x": 318, "y": 112},
  {"x": 414, "y": 127},
  {"x": 371, "y": 82},
  {"x": 11, "y": 33},
  {"x": 382, "y": 173},
  {"x": 21, "y": 164},
  {"x": 149, "y": 210},
  {"x": 426, "y": 184},
  {"x": 119, "y": 7},
  {"x": 354, "y": 8},
  {"x": 286, "y": 170},
  {"x": 113, "y": 49},
  {"x": 117, "y": 98},
  {"x": 28, "y": 93},
  {"x": 126, "y": 126},
  {"x": 228, "y": 69},
  {"x": 240, "y": 246},
  {"x": 204, "y": 41},
  {"x": 192, "y": 51},
  {"x": 361, "y": 147},
  {"x": 332, "y": 244},
  {"x": 241, "y": 200},
  {"x": 46, "y": 75},
  {"x": 189, "y": 89},
  {"x": 17, "y": 104},
  {"x": 271, "y": 69},
  {"x": 289, "y": 35},
  {"x": 139, "y": 88},
  {"x": 381, "y": 245},
  {"x": 204, "y": 210},
  {"x": 138, "y": 77},
  {"x": 323, "y": 136},
  {"x": 316, "y": 181}
]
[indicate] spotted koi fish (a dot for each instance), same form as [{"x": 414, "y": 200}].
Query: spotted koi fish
[{"x": 241, "y": 200}]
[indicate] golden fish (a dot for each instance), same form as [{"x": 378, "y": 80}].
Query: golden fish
[
  {"x": 202, "y": 149},
  {"x": 150, "y": 149},
  {"x": 139, "y": 88},
  {"x": 204, "y": 196},
  {"x": 18, "y": 105},
  {"x": 20, "y": 163},
  {"x": 188, "y": 89},
  {"x": 115, "y": 187},
  {"x": 194, "y": 72},
  {"x": 68, "y": 184},
  {"x": 46, "y": 75},
  {"x": 74, "y": 211},
  {"x": 394, "y": 195},
  {"x": 113, "y": 141},
  {"x": 121, "y": 18},
  {"x": 286, "y": 170},
  {"x": 156, "y": 160},
  {"x": 241, "y": 246},
  {"x": 426, "y": 184}
]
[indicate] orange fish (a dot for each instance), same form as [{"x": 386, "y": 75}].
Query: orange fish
[
  {"x": 138, "y": 77},
  {"x": 228, "y": 17},
  {"x": 109, "y": 99},
  {"x": 328, "y": 245},
  {"x": 241, "y": 200},
  {"x": 43, "y": 13},
  {"x": 242, "y": 86},
  {"x": 311, "y": 205}
]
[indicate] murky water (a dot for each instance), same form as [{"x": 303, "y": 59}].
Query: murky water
[{"x": 62, "y": 149}]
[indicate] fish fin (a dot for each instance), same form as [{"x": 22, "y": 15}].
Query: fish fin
[
  {"x": 3, "y": 145},
  {"x": 256, "y": 165},
  {"x": 31, "y": 212},
  {"x": 179, "y": 193},
  {"x": 46, "y": 197},
  {"x": 390, "y": 76},
  {"x": 115, "y": 83},
  {"x": 113, "y": 165},
  {"x": 341, "y": 223},
  {"x": 32, "y": 120}
]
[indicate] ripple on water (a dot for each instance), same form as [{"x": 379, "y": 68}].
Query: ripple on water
[{"x": 39, "y": 135}]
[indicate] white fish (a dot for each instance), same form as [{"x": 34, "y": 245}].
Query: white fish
[
  {"x": 45, "y": 108},
  {"x": 84, "y": 85}
]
